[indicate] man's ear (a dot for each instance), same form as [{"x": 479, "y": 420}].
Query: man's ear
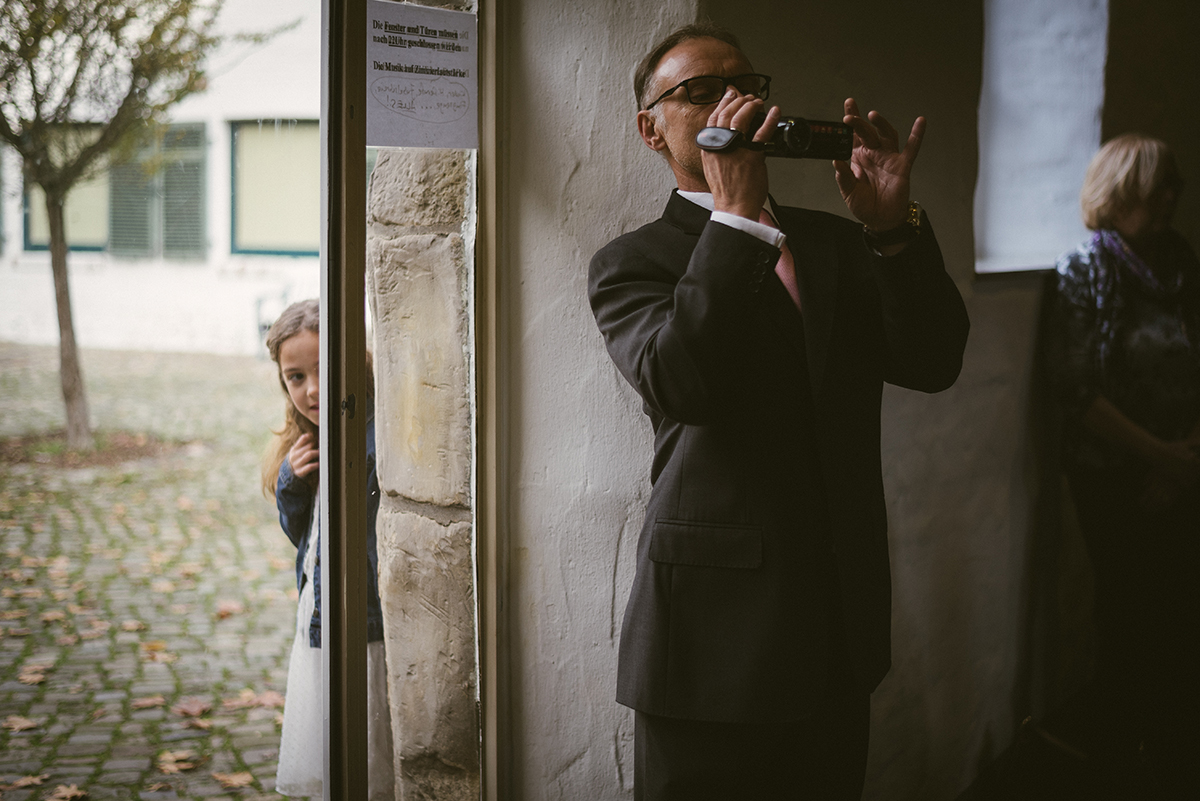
[{"x": 650, "y": 132}]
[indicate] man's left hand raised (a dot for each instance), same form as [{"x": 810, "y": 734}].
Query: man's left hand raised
[{"x": 875, "y": 182}]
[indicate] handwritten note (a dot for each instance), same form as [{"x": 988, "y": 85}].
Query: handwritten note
[{"x": 422, "y": 87}]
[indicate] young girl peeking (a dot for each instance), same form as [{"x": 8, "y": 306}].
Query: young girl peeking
[{"x": 290, "y": 473}]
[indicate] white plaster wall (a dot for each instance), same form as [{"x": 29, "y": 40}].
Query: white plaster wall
[
  {"x": 155, "y": 304},
  {"x": 577, "y": 468}
]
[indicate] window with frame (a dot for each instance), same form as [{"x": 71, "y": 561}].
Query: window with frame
[
  {"x": 276, "y": 186},
  {"x": 150, "y": 206}
]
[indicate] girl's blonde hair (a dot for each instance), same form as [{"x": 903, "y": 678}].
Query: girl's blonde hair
[
  {"x": 303, "y": 315},
  {"x": 1125, "y": 173}
]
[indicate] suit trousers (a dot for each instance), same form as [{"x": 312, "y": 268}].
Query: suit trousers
[{"x": 823, "y": 758}]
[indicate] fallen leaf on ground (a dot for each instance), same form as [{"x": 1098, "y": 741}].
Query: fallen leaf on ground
[
  {"x": 279, "y": 719},
  {"x": 175, "y": 761},
  {"x": 94, "y": 634},
  {"x": 21, "y": 632},
  {"x": 32, "y": 561},
  {"x": 14, "y": 614},
  {"x": 32, "y": 592},
  {"x": 184, "y": 502},
  {"x": 180, "y": 609},
  {"x": 61, "y": 595},
  {"x": 192, "y": 707},
  {"x": 66, "y": 639},
  {"x": 229, "y": 608},
  {"x": 76, "y": 609},
  {"x": 31, "y": 678},
  {"x": 99, "y": 625},
  {"x": 151, "y": 646},
  {"x": 64, "y": 793},
  {"x": 132, "y": 625},
  {"x": 245, "y": 700},
  {"x": 154, "y": 788},
  {"x": 53, "y": 615},
  {"x": 9, "y": 592},
  {"x": 149, "y": 702},
  {"x": 232, "y": 780},
  {"x": 248, "y": 699},
  {"x": 204, "y": 724},
  {"x": 188, "y": 569},
  {"x": 99, "y": 713},
  {"x": 160, "y": 656},
  {"x": 28, "y": 781},
  {"x": 163, "y": 586},
  {"x": 15, "y": 723}
]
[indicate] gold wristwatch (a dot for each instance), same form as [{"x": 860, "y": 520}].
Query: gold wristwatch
[{"x": 908, "y": 230}]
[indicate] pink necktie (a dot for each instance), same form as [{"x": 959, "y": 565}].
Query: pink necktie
[{"x": 785, "y": 268}]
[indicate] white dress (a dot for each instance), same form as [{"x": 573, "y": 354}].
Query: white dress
[{"x": 301, "y": 745}]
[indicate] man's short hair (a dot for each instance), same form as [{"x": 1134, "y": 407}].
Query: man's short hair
[
  {"x": 698, "y": 30},
  {"x": 1125, "y": 173}
]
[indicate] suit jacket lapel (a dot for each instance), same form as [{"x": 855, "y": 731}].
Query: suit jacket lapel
[
  {"x": 816, "y": 279},
  {"x": 816, "y": 276}
]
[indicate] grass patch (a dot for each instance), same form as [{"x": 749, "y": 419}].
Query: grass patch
[{"x": 112, "y": 448}]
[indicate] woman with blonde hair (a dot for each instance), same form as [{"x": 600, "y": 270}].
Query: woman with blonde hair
[{"x": 1125, "y": 356}]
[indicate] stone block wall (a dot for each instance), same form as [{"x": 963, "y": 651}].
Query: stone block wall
[{"x": 419, "y": 275}]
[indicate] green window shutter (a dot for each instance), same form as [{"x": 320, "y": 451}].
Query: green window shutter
[
  {"x": 184, "y": 234},
  {"x": 130, "y": 224},
  {"x": 157, "y": 201}
]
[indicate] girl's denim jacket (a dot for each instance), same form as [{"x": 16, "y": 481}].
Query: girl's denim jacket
[{"x": 294, "y": 497}]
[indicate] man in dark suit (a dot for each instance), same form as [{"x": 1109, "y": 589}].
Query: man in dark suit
[{"x": 759, "y": 338}]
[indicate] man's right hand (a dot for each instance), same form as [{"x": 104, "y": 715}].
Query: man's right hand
[{"x": 738, "y": 178}]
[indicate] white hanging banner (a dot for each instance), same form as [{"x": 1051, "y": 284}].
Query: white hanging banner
[{"x": 422, "y": 85}]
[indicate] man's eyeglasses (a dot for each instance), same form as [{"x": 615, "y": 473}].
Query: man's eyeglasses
[{"x": 705, "y": 89}]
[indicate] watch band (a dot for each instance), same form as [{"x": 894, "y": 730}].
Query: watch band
[{"x": 908, "y": 230}]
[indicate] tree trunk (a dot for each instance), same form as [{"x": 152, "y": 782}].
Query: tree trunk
[{"x": 79, "y": 431}]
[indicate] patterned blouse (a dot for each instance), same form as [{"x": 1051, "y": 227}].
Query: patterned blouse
[{"x": 1119, "y": 330}]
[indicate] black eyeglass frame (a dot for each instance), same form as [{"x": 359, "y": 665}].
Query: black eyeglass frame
[{"x": 766, "y": 88}]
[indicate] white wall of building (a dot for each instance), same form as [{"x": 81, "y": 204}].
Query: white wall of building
[{"x": 213, "y": 305}]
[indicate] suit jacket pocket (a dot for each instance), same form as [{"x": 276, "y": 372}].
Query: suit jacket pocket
[{"x": 681, "y": 542}]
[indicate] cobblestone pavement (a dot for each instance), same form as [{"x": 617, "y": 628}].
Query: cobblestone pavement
[{"x": 147, "y": 608}]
